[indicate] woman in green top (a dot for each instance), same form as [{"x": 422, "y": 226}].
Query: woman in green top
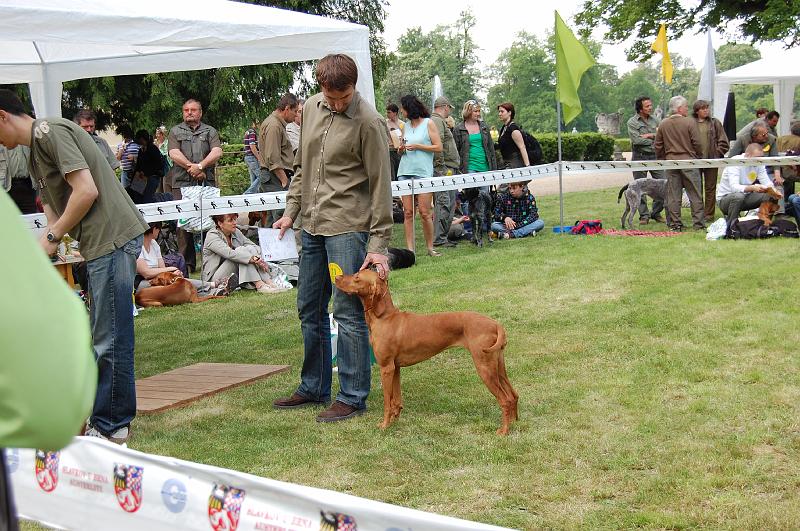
[{"x": 476, "y": 148}]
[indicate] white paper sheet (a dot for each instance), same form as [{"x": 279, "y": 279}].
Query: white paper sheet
[{"x": 273, "y": 249}]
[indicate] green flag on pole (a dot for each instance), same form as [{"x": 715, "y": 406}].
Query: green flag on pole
[{"x": 572, "y": 60}]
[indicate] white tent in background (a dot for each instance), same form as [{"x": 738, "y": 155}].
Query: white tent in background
[
  {"x": 47, "y": 42},
  {"x": 782, "y": 71}
]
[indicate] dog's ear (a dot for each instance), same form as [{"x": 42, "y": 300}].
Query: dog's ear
[{"x": 378, "y": 291}]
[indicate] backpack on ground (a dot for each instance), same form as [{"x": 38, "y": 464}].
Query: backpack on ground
[
  {"x": 587, "y": 226},
  {"x": 754, "y": 229}
]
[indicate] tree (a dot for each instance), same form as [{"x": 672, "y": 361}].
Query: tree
[
  {"x": 447, "y": 51},
  {"x": 232, "y": 96},
  {"x": 756, "y": 20},
  {"x": 526, "y": 74}
]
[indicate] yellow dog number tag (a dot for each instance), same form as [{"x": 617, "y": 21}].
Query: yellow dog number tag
[{"x": 335, "y": 271}]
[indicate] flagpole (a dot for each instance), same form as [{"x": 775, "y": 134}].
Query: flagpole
[{"x": 560, "y": 178}]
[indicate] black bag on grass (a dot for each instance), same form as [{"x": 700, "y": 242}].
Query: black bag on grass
[{"x": 754, "y": 229}]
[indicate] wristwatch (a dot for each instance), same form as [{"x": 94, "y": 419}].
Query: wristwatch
[
  {"x": 200, "y": 166},
  {"x": 51, "y": 237}
]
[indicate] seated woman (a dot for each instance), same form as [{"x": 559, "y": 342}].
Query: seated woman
[
  {"x": 226, "y": 250},
  {"x": 150, "y": 263}
]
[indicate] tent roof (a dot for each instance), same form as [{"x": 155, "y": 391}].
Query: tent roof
[
  {"x": 767, "y": 70},
  {"x": 779, "y": 70},
  {"x": 51, "y": 41}
]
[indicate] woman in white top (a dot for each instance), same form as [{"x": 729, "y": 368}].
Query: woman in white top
[{"x": 150, "y": 263}]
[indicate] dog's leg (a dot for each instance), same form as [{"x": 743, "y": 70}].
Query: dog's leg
[
  {"x": 634, "y": 197},
  {"x": 505, "y": 383},
  {"x": 397, "y": 395},
  {"x": 487, "y": 364},
  {"x": 625, "y": 213},
  {"x": 387, "y": 381}
]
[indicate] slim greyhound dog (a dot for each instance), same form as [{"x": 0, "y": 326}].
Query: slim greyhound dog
[
  {"x": 655, "y": 188},
  {"x": 400, "y": 339}
]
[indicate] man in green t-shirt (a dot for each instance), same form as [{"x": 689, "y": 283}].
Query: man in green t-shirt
[{"x": 83, "y": 197}]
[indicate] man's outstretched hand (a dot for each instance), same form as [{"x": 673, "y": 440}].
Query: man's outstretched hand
[{"x": 283, "y": 224}]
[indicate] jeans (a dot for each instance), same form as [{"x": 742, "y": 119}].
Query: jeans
[
  {"x": 314, "y": 291},
  {"x": 793, "y": 207},
  {"x": 125, "y": 177},
  {"x": 734, "y": 203},
  {"x": 519, "y": 232},
  {"x": 111, "y": 292},
  {"x": 255, "y": 173}
]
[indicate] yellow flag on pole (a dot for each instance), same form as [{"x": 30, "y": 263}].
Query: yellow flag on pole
[
  {"x": 572, "y": 60},
  {"x": 660, "y": 46}
]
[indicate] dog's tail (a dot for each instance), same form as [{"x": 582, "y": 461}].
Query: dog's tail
[
  {"x": 621, "y": 191},
  {"x": 500, "y": 342}
]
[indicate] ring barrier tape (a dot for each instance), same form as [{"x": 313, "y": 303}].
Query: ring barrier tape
[
  {"x": 95, "y": 484},
  {"x": 187, "y": 208}
]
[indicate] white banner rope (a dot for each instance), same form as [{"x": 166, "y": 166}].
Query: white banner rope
[
  {"x": 94, "y": 484},
  {"x": 188, "y": 208}
]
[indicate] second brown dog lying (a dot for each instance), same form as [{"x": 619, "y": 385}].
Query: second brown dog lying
[
  {"x": 766, "y": 211},
  {"x": 168, "y": 289},
  {"x": 400, "y": 339}
]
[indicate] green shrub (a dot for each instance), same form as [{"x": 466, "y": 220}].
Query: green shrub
[
  {"x": 576, "y": 146},
  {"x": 623, "y": 144},
  {"x": 231, "y": 154},
  {"x": 233, "y": 179},
  {"x": 598, "y": 147}
]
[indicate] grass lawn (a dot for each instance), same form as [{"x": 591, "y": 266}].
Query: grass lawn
[{"x": 658, "y": 383}]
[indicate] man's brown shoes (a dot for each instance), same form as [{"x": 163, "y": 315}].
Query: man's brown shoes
[
  {"x": 339, "y": 411},
  {"x": 296, "y": 401}
]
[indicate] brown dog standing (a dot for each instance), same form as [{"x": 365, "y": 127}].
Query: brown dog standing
[
  {"x": 400, "y": 339},
  {"x": 168, "y": 289}
]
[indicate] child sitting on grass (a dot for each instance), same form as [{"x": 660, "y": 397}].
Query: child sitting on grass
[{"x": 516, "y": 214}]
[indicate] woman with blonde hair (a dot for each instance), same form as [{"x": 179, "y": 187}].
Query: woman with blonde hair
[{"x": 476, "y": 148}]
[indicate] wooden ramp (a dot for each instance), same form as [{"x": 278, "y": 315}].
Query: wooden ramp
[{"x": 187, "y": 384}]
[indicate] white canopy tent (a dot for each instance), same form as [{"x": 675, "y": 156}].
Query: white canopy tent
[
  {"x": 47, "y": 42},
  {"x": 779, "y": 70}
]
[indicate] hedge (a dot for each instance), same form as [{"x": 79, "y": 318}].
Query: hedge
[
  {"x": 623, "y": 144},
  {"x": 576, "y": 146},
  {"x": 233, "y": 179}
]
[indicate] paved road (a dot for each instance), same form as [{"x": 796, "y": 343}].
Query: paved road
[{"x": 580, "y": 183}]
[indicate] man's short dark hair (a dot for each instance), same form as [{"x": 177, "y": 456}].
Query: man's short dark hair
[
  {"x": 142, "y": 134},
  {"x": 392, "y": 107},
  {"x": 507, "y": 106},
  {"x": 287, "y": 100},
  {"x": 11, "y": 103},
  {"x": 639, "y": 103},
  {"x": 125, "y": 131},
  {"x": 414, "y": 108},
  {"x": 772, "y": 114},
  {"x": 85, "y": 115},
  {"x": 337, "y": 72}
]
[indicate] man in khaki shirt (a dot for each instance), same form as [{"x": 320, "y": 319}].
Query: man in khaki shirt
[
  {"x": 341, "y": 191},
  {"x": 83, "y": 197},
  {"x": 677, "y": 138},
  {"x": 275, "y": 149},
  {"x": 194, "y": 148}
]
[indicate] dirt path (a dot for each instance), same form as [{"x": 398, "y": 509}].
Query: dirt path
[{"x": 580, "y": 183}]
